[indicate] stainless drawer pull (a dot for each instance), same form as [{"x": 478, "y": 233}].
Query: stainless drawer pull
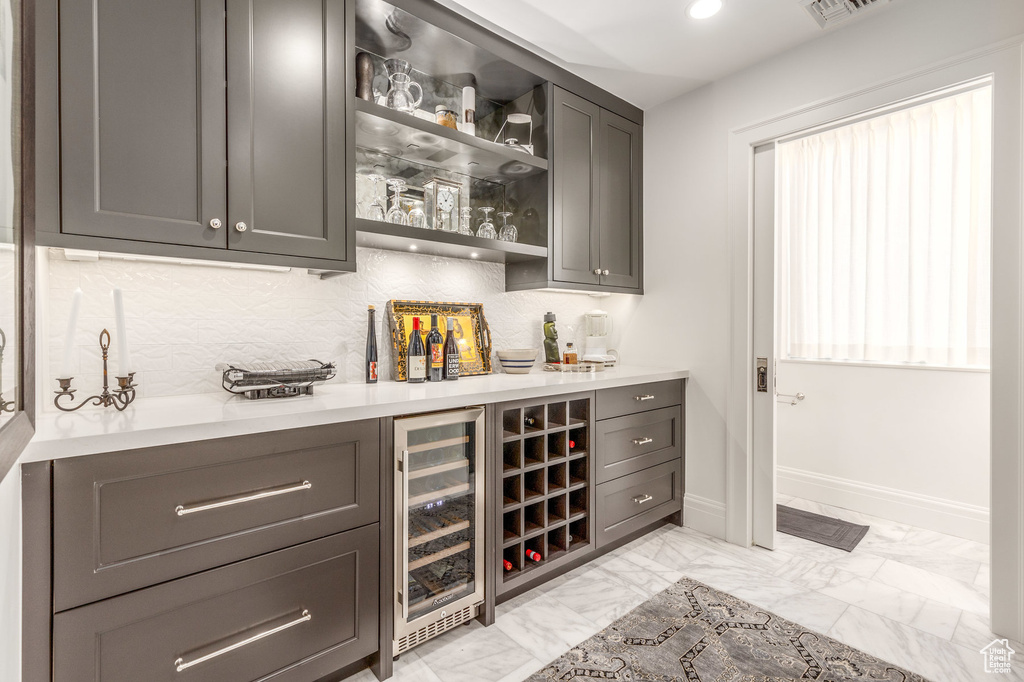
[
  {"x": 181, "y": 664},
  {"x": 641, "y": 398},
  {"x": 642, "y": 441},
  {"x": 181, "y": 510},
  {"x": 641, "y": 500}
]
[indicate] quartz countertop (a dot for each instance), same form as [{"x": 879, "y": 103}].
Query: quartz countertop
[{"x": 151, "y": 422}]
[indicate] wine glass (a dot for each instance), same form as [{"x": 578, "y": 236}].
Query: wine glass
[
  {"x": 395, "y": 214},
  {"x": 486, "y": 228},
  {"x": 508, "y": 232},
  {"x": 378, "y": 205},
  {"x": 417, "y": 217},
  {"x": 465, "y": 221}
]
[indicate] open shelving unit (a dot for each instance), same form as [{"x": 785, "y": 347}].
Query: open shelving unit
[{"x": 547, "y": 486}]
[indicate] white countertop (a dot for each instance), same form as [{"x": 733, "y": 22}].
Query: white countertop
[{"x": 151, "y": 422}]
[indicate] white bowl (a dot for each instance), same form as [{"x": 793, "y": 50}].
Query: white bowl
[{"x": 518, "y": 360}]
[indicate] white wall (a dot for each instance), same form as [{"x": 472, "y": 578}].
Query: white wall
[
  {"x": 911, "y": 445},
  {"x": 686, "y": 190},
  {"x": 184, "y": 319}
]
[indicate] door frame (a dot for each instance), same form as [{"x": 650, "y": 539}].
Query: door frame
[{"x": 1002, "y": 62}]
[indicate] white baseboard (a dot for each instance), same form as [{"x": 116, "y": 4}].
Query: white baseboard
[
  {"x": 704, "y": 515},
  {"x": 934, "y": 513}
]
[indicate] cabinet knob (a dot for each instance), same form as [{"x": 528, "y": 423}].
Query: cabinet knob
[
  {"x": 215, "y": 223},
  {"x": 597, "y": 271},
  {"x": 604, "y": 272},
  {"x": 241, "y": 227}
]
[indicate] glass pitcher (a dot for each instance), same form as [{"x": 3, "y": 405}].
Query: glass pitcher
[{"x": 400, "y": 95}]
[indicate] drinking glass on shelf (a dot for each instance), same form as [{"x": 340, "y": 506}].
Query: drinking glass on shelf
[
  {"x": 417, "y": 217},
  {"x": 377, "y": 208},
  {"x": 508, "y": 233},
  {"x": 486, "y": 228},
  {"x": 395, "y": 214},
  {"x": 465, "y": 221}
]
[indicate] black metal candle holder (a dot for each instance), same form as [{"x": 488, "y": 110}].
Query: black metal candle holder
[
  {"x": 5, "y": 405},
  {"x": 121, "y": 397}
]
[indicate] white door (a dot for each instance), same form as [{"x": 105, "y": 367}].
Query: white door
[{"x": 763, "y": 409}]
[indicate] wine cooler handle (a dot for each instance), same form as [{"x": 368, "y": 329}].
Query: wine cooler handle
[
  {"x": 180, "y": 665},
  {"x": 403, "y": 528}
]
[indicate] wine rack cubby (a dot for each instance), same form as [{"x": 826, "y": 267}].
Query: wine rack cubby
[{"x": 547, "y": 485}]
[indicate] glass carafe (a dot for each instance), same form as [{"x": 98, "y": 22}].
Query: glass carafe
[{"x": 400, "y": 96}]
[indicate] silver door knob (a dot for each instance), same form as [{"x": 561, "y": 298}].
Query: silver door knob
[
  {"x": 216, "y": 223},
  {"x": 604, "y": 272},
  {"x": 241, "y": 227},
  {"x": 597, "y": 271}
]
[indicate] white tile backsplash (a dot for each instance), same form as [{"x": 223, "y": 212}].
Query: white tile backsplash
[{"x": 184, "y": 319}]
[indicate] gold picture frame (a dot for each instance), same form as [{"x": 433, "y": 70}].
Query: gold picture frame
[{"x": 471, "y": 332}]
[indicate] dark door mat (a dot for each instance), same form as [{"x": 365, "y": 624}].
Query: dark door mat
[{"x": 821, "y": 529}]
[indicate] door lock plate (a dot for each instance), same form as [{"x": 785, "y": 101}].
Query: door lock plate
[{"x": 762, "y": 375}]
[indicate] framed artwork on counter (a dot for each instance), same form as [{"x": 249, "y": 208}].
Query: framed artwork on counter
[{"x": 472, "y": 334}]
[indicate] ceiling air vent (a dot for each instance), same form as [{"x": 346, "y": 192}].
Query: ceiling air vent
[{"x": 828, "y": 13}]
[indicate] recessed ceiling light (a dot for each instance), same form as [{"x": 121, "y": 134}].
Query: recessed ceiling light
[{"x": 703, "y": 9}]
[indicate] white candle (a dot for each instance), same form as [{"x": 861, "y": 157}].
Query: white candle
[
  {"x": 69, "y": 335},
  {"x": 469, "y": 110},
  {"x": 124, "y": 355}
]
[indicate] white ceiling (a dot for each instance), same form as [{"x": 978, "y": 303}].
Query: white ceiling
[{"x": 648, "y": 51}]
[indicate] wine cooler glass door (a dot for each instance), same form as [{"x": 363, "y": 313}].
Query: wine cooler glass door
[{"x": 440, "y": 528}]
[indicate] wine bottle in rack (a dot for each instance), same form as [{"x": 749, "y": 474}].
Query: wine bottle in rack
[
  {"x": 435, "y": 352},
  {"x": 533, "y": 555},
  {"x": 451, "y": 352},
  {"x": 507, "y": 564},
  {"x": 371, "y": 349},
  {"x": 416, "y": 365}
]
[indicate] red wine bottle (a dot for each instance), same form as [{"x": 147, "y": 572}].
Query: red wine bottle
[
  {"x": 533, "y": 555},
  {"x": 416, "y": 366},
  {"x": 507, "y": 564},
  {"x": 371, "y": 349},
  {"x": 435, "y": 352},
  {"x": 451, "y": 352}
]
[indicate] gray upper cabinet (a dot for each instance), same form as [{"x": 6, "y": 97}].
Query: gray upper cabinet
[
  {"x": 183, "y": 125},
  {"x": 286, "y": 127},
  {"x": 142, "y": 109},
  {"x": 596, "y": 172}
]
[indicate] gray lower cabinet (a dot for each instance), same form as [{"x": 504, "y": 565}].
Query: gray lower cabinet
[
  {"x": 596, "y": 169},
  {"x": 629, "y": 503},
  {"x": 293, "y": 615},
  {"x": 187, "y": 126},
  {"x": 638, "y": 441}
]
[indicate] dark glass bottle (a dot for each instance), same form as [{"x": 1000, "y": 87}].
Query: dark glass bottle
[
  {"x": 371, "y": 348},
  {"x": 416, "y": 362},
  {"x": 451, "y": 352},
  {"x": 435, "y": 352}
]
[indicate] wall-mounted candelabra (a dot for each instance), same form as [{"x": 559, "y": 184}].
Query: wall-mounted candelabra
[
  {"x": 121, "y": 397},
  {"x": 5, "y": 405}
]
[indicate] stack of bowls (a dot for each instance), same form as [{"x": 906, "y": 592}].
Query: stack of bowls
[{"x": 518, "y": 360}]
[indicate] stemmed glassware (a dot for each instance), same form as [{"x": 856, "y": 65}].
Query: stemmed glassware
[
  {"x": 377, "y": 208},
  {"x": 465, "y": 221},
  {"x": 508, "y": 232},
  {"x": 486, "y": 228},
  {"x": 417, "y": 217},
  {"x": 395, "y": 214}
]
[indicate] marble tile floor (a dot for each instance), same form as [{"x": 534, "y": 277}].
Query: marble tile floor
[{"x": 911, "y": 596}]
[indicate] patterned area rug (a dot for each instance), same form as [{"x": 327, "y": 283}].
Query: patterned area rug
[{"x": 693, "y": 633}]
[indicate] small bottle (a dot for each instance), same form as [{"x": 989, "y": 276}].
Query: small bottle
[
  {"x": 570, "y": 357},
  {"x": 435, "y": 352},
  {"x": 416, "y": 366},
  {"x": 451, "y": 352},
  {"x": 371, "y": 349}
]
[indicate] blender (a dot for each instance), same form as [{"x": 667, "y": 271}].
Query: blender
[{"x": 599, "y": 326}]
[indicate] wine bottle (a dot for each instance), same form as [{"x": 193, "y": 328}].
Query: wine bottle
[
  {"x": 533, "y": 555},
  {"x": 371, "y": 348},
  {"x": 416, "y": 367},
  {"x": 507, "y": 564},
  {"x": 435, "y": 352},
  {"x": 451, "y": 352}
]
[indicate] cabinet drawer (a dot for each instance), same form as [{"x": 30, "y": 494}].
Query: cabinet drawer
[
  {"x": 631, "y": 502},
  {"x": 302, "y": 613},
  {"x": 132, "y": 519},
  {"x": 615, "y": 402},
  {"x": 637, "y": 441}
]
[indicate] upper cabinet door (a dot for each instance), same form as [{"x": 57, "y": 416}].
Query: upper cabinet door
[
  {"x": 619, "y": 214},
  {"x": 575, "y": 245},
  {"x": 142, "y": 120},
  {"x": 287, "y": 86}
]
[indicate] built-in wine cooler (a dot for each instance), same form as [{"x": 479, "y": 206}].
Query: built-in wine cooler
[{"x": 439, "y": 523}]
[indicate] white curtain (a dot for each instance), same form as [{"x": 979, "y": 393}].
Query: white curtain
[{"x": 884, "y": 237}]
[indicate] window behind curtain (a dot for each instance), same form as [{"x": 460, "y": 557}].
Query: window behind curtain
[{"x": 884, "y": 237}]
